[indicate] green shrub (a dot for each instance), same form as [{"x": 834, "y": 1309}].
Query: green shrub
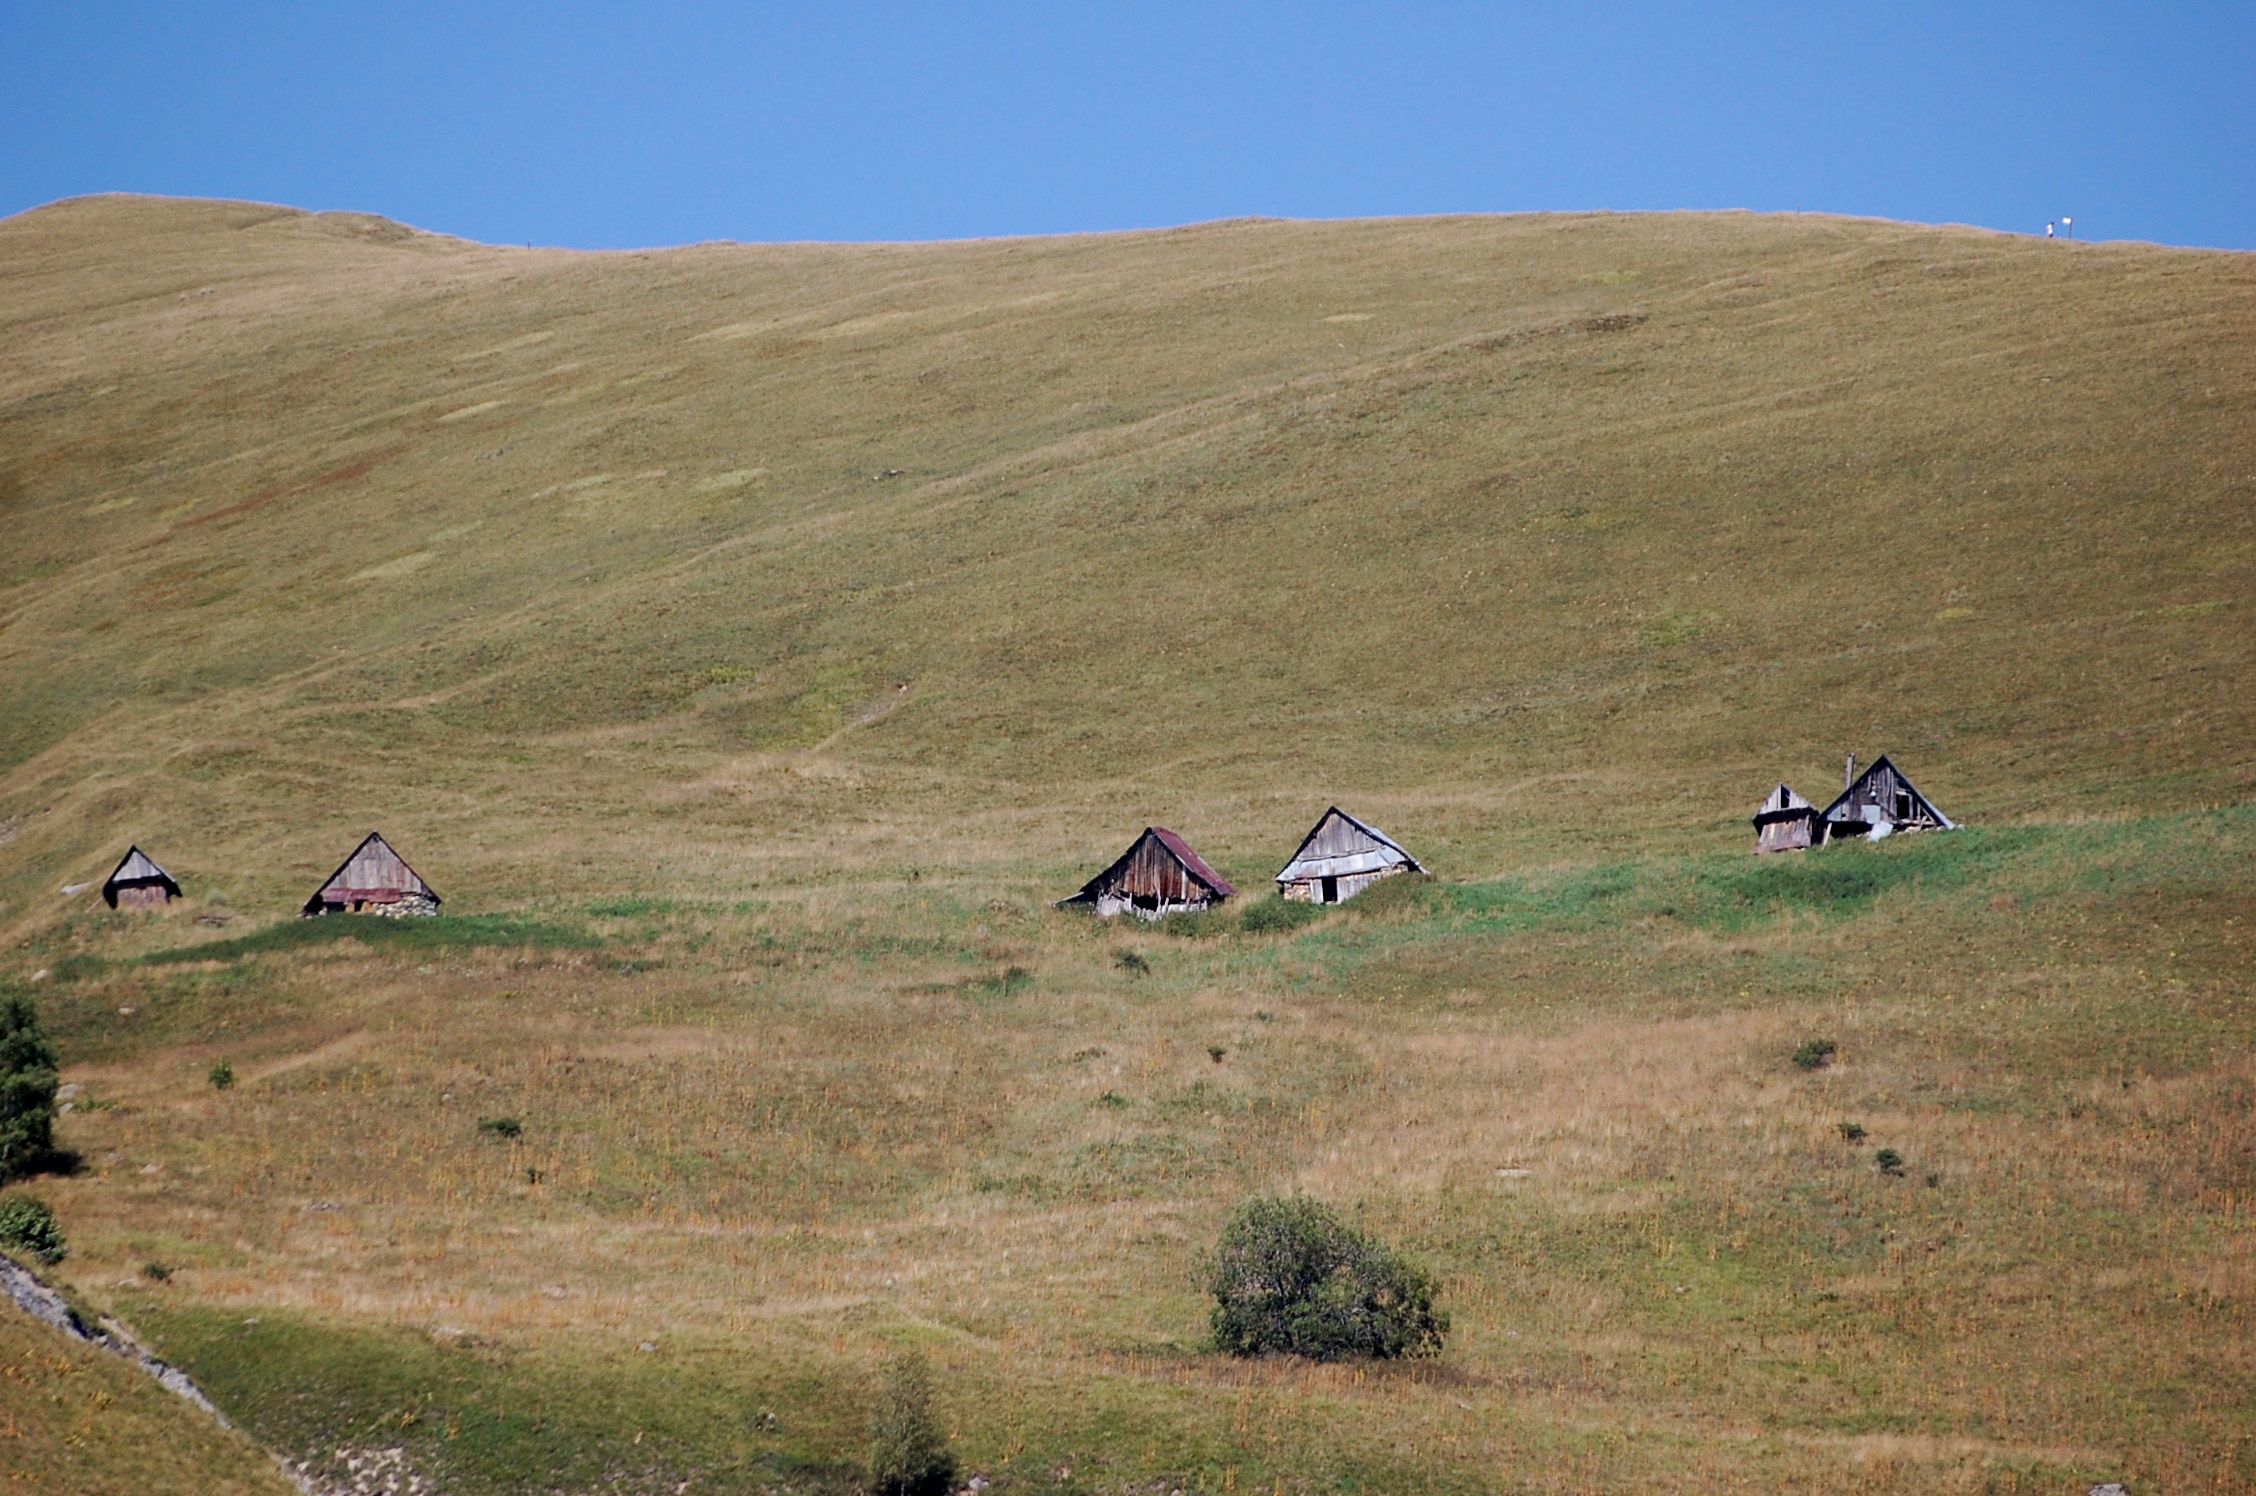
[
  {"x": 222, "y": 1076},
  {"x": 1262, "y": 916},
  {"x": 1890, "y": 1161},
  {"x": 27, "y": 1087},
  {"x": 1290, "y": 1277},
  {"x": 1815, "y": 1054},
  {"x": 908, "y": 1452},
  {"x": 501, "y": 1127},
  {"x": 27, "y": 1225}
]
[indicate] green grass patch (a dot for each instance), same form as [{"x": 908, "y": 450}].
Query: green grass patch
[{"x": 404, "y": 936}]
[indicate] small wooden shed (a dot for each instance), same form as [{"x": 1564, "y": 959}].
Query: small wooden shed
[
  {"x": 1785, "y": 822},
  {"x": 1881, "y": 802},
  {"x": 1158, "y": 875},
  {"x": 374, "y": 880},
  {"x": 1339, "y": 858},
  {"x": 138, "y": 883}
]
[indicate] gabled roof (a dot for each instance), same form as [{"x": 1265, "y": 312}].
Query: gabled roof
[
  {"x": 1782, "y": 801},
  {"x": 1194, "y": 864},
  {"x": 1176, "y": 848},
  {"x": 137, "y": 866},
  {"x": 378, "y": 852},
  {"x": 1872, "y": 772},
  {"x": 1354, "y": 847}
]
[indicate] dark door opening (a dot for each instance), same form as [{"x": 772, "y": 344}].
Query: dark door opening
[{"x": 1329, "y": 892}]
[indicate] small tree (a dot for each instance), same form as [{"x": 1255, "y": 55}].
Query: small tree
[
  {"x": 27, "y": 1087},
  {"x": 1290, "y": 1277},
  {"x": 908, "y": 1452}
]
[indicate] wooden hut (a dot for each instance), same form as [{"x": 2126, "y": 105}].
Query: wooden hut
[
  {"x": 1158, "y": 875},
  {"x": 1339, "y": 858},
  {"x": 1785, "y": 822},
  {"x": 138, "y": 883},
  {"x": 1881, "y": 802},
  {"x": 374, "y": 880}
]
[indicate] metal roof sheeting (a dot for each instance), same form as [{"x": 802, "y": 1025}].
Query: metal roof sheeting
[
  {"x": 1195, "y": 864},
  {"x": 138, "y": 867},
  {"x": 1339, "y": 846}
]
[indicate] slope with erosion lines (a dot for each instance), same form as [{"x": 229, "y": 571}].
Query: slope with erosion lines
[{"x": 1417, "y": 504}]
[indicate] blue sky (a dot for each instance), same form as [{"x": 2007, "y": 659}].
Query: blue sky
[{"x": 607, "y": 126}]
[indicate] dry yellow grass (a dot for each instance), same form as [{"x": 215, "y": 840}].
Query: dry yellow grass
[{"x": 748, "y": 773}]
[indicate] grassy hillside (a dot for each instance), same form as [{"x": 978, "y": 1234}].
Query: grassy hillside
[
  {"x": 78, "y": 1422},
  {"x": 749, "y": 642}
]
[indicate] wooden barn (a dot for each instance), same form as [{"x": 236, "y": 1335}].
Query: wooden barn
[
  {"x": 1881, "y": 802},
  {"x": 1339, "y": 858},
  {"x": 1158, "y": 875},
  {"x": 138, "y": 883},
  {"x": 1785, "y": 822},
  {"x": 374, "y": 880}
]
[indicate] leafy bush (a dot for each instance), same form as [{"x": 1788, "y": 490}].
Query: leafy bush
[
  {"x": 1290, "y": 1277},
  {"x": 222, "y": 1076},
  {"x": 908, "y": 1452},
  {"x": 1816, "y": 1054},
  {"x": 1890, "y": 1161},
  {"x": 1263, "y": 916},
  {"x": 27, "y": 1225},
  {"x": 27, "y": 1087},
  {"x": 501, "y": 1127}
]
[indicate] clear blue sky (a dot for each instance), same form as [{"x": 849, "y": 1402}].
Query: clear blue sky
[{"x": 616, "y": 125}]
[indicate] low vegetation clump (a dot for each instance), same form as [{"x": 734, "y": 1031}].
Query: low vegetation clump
[
  {"x": 222, "y": 1076},
  {"x": 28, "y": 1225},
  {"x": 1292, "y": 1278},
  {"x": 908, "y": 1451},
  {"x": 27, "y": 1087},
  {"x": 1263, "y": 916},
  {"x": 501, "y": 1127},
  {"x": 1889, "y": 1162},
  {"x": 1815, "y": 1054}
]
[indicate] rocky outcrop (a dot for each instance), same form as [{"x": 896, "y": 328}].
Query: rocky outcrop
[{"x": 23, "y": 1288}]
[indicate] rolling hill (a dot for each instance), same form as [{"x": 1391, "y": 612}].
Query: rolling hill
[{"x": 750, "y": 641}]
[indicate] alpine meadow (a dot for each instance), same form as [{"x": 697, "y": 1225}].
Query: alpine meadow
[{"x": 752, "y": 645}]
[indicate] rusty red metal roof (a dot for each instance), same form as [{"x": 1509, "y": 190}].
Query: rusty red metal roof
[{"x": 1192, "y": 862}]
